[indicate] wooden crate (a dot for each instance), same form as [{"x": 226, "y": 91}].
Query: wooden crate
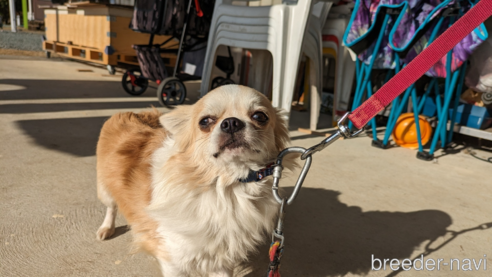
[{"x": 96, "y": 33}]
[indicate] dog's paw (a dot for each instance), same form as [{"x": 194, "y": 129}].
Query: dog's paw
[{"x": 105, "y": 233}]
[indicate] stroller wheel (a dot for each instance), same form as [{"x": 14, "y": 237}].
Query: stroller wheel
[
  {"x": 133, "y": 82},
  {"x": 171, "y": 92},
  {"x": 216, "y": 82}
]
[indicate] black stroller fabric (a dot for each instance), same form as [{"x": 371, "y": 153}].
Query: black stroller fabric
[
  {"x": 160, "y": 17},
  {"x": 200, "y": 26},
  {"x": 167, "y": 17},
  {"x": 174, "y": 17},
  {"x": 150, "y": 61},
  {"x": 196, "y": 58},
  {"x": 147, "y": 16}
]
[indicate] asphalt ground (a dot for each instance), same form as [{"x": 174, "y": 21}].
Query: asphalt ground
[{"x": 358, "y": 203}]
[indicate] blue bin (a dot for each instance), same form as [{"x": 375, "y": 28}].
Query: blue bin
[
  {"x": 429, "y": 108},
  {"x": 472, "y": 116}
]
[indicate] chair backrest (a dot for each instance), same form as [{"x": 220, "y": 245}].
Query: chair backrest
[{"x": 321, "y": 10}]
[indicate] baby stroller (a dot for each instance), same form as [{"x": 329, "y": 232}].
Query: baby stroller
[{"x": 190, "y": 23}]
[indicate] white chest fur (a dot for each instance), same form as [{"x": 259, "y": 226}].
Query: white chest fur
[{"x": 208, "y": 229}]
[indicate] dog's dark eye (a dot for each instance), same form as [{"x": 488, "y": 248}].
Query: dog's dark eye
[
  {"x": 205, "y": 122},
  {"x": 260, "y": 117}
]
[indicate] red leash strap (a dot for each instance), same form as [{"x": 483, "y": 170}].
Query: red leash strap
[
  {"x": 275, "y": 254},
  {"x": 422, "y": 63}
]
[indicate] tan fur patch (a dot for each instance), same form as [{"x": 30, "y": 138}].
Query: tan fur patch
[{"x": 124, "y": 152}]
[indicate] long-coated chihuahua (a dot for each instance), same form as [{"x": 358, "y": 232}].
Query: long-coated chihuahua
[{"x": 183, "y": 179}]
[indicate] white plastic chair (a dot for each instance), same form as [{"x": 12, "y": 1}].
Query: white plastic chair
[
  {"x": 280, "y": 29},
  {"x": 312, "y": 48},
  {"x": 345, "y": 64}
]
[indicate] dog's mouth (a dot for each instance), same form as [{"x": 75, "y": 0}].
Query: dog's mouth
[{"x": 234, "y": 143}]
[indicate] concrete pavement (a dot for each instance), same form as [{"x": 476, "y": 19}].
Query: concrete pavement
[{"x": 357, "y": 200}]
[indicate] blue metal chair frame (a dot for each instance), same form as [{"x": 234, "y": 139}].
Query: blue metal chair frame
[
  {"x": 363, "y": 70},
  {"x": 453, "y": 84},
  {"x": 398, "y": 105}
]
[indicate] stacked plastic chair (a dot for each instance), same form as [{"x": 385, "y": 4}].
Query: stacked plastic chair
[
  {"x": 281, "y": 29},
  {"x": 312, "y": 48},
  {"x": 333, "y": 46},
  {"x": 406, "y": 28}
]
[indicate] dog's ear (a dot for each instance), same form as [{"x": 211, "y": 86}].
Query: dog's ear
[{"x": 177, "y": 119}]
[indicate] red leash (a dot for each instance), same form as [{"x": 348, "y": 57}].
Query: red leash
[
  {"x": 361, "y": 116},
  {"x": 275, "y": 254},
  {"x": 422, "y": 63}
]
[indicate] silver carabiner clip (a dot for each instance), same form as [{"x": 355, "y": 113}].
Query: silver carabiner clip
[
  {"x": 343, "y": 131},
  {"x": 278, "y": 232},
  {"x": 277, "y": 173}
]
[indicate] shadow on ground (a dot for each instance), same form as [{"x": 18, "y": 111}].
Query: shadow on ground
[
  {"x": 60, "y": 107},
  {"x": 76, "y": 136},
  {"x": 119, "y": 231},
  {"x": 325, "y": 237},
  {"x": 25, "y": 89}
]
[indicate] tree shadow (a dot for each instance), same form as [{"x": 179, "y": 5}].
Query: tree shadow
[
  {"x": 454, "y": 234},
  {"x": 325, "y": 237},
  {"x": 76, "y": 136}
]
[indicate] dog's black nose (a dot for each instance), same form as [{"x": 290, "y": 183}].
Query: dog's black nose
[{"x": 231, "y": 125}]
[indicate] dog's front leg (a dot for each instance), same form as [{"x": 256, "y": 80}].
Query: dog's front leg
[{"x": 222, "y": 273}]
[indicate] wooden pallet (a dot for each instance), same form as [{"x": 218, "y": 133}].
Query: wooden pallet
[
  {"x": 94, "y": 55},
  {"x": 80, "y": 52}
]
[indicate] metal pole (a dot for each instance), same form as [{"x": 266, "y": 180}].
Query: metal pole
[
  {"x": 181, "y": 41},
  {"x": 24, "y": 14},
  {"x": 30, "y": 12},
  {"x": 13, "y": 23}
]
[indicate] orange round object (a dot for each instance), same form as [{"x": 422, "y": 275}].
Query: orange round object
[{"x": 405, "y": 131}]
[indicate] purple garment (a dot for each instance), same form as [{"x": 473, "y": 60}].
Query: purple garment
[
  {"x": 400, "y": 32},
  {"x": 412, "y": 16},
  {"x": 461, "y": 51}
]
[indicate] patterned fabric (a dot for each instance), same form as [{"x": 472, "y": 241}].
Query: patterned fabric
[
  {"x": 255, "y": 176},
  {"x": 147, "y": 16},
  {"x": 275, "y": 253},
  {"x": 460, "y": 53},
  {"x": 174, "y": 16},
  {"x": 150, "y": 61},
  {"x": 167, "y": 17},
  {"x": 415, "y": 17},
  {"x": 362, "y": 22},
  {"x": 402, "y": 30}
]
